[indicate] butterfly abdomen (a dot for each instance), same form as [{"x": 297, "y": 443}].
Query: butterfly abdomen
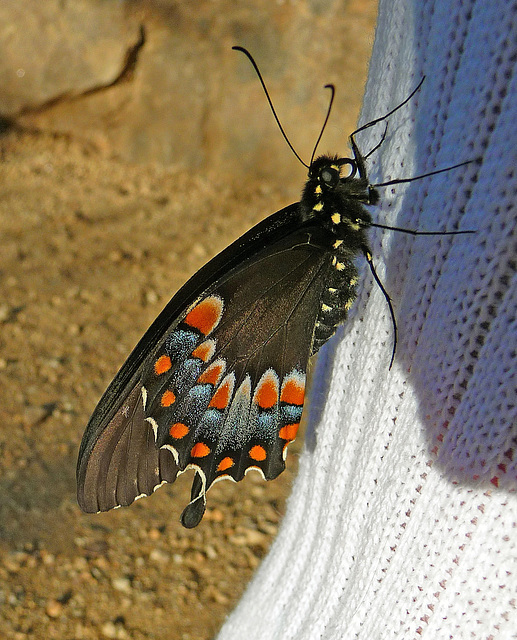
[{"x": 336, "y": 300}]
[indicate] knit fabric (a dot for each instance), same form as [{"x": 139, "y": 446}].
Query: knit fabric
[{"x": 403, "y": 520}]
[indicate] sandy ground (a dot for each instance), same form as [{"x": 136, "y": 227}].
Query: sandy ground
[
  {"x": 89, "y": 255},
  {"x": 91, "y": 249}
]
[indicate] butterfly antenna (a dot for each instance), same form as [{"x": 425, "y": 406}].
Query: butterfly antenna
[
  {"x": 390, "y": 113},
  {"x": 257, "y": 71},
  {"x": 424, "y": 175},
  {"x": 329, "y": 109},
  {"x": 415, "y": 232},
  {"x": 378, "y": 145}
]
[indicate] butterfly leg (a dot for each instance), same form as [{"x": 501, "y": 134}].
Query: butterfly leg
[{"x": 369, "y": 260}]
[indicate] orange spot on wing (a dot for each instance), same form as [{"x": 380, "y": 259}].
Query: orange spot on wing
[
  {"x": 293, "y": 392},
  {"x": 162, "y": 365},
  {"x": 226, "y": 463},
  {"x": 205, "y": 315},
  {"x": 204, "y": 351},
  {"x": 212, "y": 374},
  {"x": 168, "y": 398},
  {"x": 257, "y": 453},
  {"x": 199, "y": 450},
  {"x": 266, "y": 395},
  {"x": 179, "y": 430},
  {"x": 222, "y": 396},
  {"x": 289, "y": 431}
]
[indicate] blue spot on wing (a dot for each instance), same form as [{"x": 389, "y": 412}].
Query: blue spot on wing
[
  {"x": 266, "y": 426},
  {"x": 186, "y": 375},
  {"x": 180, "y": 344},
  {"x": 291, "y": 413}
]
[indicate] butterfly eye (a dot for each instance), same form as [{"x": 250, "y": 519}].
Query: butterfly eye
[
  {"x": 353, "y": 167},
  {"x": 329, "y": 177}
]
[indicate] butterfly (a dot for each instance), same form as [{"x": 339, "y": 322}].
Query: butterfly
[{"x": 217, "y": 382}]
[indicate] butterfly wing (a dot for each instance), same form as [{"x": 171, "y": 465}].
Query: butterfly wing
[{"x": 217, "y": 382}]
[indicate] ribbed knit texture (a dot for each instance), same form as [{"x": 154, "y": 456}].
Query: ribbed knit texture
[{"x": 403, "y": 519}]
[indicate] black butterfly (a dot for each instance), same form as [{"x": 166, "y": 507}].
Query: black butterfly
[{"x": 217, "y": 382}]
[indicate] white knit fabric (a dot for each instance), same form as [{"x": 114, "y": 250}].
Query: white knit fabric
[{"x": 403, "y": 519}]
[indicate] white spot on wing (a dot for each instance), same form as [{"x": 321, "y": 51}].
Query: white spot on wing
[
  {"x": 154, "y": 425},
  {"x": 175, "y": 455},
  {"x": 255, "y": 469},
  {"x": 297, "y": 376},
  {"x": 223, "y": 477}
]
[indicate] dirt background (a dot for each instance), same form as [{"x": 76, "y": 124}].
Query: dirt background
[{"x": 135, "y": 145}]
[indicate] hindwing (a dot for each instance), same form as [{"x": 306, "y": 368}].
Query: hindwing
[{"x": 221, "y": 389}]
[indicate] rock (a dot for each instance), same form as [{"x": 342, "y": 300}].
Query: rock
[{"x": 159, "y": 81}]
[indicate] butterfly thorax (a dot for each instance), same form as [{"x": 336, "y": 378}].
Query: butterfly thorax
[{"x": 337, "y": 203}]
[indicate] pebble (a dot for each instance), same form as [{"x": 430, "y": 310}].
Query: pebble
[{"x": 53, "y": 609}]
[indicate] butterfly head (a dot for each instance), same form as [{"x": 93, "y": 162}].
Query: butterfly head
[
  {"x": 337, "y": 189},
  {"x": 326, "y": 171},
  {"x": 329, "y": 174}
]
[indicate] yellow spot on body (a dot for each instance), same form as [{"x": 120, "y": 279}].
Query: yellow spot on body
[
  {"x": 336, "y": 218},
  {"x": 318, "y": 206},
  {"x": 340, "y": 266},
  {"x": 335, "y": 166},
  {"x": 318, "y": 189},
  {"x": 353, "y": 281},
  {"x": 349, "y": 303},
  {"x": 332, "y": 290},
  {"x": 325, "y": 307},
  {"x": 337, "y": 244}
]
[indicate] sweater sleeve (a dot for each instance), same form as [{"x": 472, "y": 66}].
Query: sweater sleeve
[{"x": 402, "y": 521}]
